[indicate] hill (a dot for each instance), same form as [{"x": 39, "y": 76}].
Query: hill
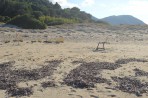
[
  {"x": 54, "y": 14},
  {"x": 123, "y": 19},
  {"x": 96, "y": 20}
]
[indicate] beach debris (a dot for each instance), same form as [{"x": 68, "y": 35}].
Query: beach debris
[
  {"x": 33, "y": 41},
  {"x": 7, "y": 41},
  {"x": 19, "y": 92},
  {"x": 87, "y": 74},
  {"x": 128, "y": 60},
  {"x": 112, "y": 95},
  {"x": 78, "y": 62},
  {"x": 131, "y": 85},
  {"x": 48, "y": 84},
  {"x": 49, "y": 41},
  {"x": 93, "y": 96},
  {"x": 57, "y": 40},
  {"x": 139, "y": 72},
  {"x": 10, "y": 78},
  {"x": 6, "y": 64},
  {"x": 35, "y": 74}
]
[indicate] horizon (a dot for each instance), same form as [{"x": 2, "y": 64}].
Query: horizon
[{"x": 105, "y": 8}]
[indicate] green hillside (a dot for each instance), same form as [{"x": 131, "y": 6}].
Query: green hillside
[{"x": 10, "y": 10}]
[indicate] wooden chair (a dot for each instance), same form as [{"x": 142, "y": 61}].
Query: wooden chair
[{"x": 103, "y": 46}]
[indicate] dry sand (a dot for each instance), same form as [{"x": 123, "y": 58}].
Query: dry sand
[{"x": 79, "y": 45}]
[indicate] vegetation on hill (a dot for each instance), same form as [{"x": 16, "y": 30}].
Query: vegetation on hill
[
  {"x": 56, "y": 21},
  {"x": 40, "y": 10},
  {"x": 27, "y": 22}
]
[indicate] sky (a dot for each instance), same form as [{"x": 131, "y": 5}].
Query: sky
[{"x": 105, "y": 8}]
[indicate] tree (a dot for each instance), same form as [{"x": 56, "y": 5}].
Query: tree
[
  {"x": 57, "y": 6},
  {"x": 37, "y": 8},
  {"x": 37, "y": 14}
]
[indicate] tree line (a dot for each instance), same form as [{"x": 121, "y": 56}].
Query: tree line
[{"x": 10, "y": 9}]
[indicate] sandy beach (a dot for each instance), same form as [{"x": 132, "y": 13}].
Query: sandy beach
[{"x": 48, "y": 68}]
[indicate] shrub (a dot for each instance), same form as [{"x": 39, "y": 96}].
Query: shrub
[
  {"x": 27, "y": 22},
  {"x": 4, "y": 19},
  {"x": 59, "y": 40},
  {"x": 37, "y": 14},
  {"x": 56, "y": 21}
]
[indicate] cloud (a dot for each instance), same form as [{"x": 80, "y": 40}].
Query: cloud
[
  {"x": 103, "y": 5},
  {"x": 138, "y": 8},
  {"x": 87, "y": 3}
]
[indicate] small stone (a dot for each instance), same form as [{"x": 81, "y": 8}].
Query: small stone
[
  {"x": 138, "y": 94},
  {"x": 94, "y": 96},
  {"x": 112, "y": 95}
]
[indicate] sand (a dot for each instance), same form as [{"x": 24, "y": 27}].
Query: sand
[{"x": 79, "y": 45}]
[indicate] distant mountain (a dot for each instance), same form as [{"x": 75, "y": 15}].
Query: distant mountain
[
  {"x": 123, "y": 19},
  {"x": 98, "y": 20}
]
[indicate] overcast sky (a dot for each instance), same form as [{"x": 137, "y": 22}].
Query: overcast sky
[{"x": 104, "y": 8}]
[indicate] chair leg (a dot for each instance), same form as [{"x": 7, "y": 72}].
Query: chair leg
[
  {"x": 103, "y": 46},
  {"x": 97, "y": 47}
]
